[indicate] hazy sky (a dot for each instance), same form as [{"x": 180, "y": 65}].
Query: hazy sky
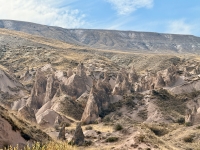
[{"x": 165, "y": 16}]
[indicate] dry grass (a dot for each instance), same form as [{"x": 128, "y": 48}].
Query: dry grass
[
  {"x": 37, "y": 39},
  {"x": 97, "y": 127},
  {"x": 48, "y": 146},
  {"x": 102, "y": 128},
  {"x": 3, "y": 68}
]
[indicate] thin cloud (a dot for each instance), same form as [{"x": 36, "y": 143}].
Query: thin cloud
[
  {"x": 180, "y": 27},
  {"x": 124, "y": 7},
  {"x": 44, "y": 12}
]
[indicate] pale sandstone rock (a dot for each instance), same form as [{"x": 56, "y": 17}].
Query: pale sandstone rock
[
  {"x": 27, "y": 113},
  {"x": 51, "y": 88},
  {"x": 159, "y": 81},
  {"x": 38, "y": 92},
  {"x": 133, "y": 76}
]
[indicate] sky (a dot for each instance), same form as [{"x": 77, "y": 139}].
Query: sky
[{"x": 163, "y": 16}]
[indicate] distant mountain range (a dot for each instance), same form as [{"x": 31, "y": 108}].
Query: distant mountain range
[{"x": 111, "y": 39}]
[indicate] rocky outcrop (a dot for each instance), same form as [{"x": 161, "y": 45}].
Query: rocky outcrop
[
  {"x": 81, "y": 71},
  {"x": 172, "y": 69},
  {"x": 9, "y": 84},
  {"x": 117, "y": 90},
  {"x": 159, "y": 83},
  {"x": 51, "y": 88},
  {"x": 119, "y": 78},
  {"x": 58, "y": 120},
  {"x": 170, "y": 79},
  {"x": 78, "y": 137},
  {"x": 133, "y": 76},
  {"x": 104, "y": 84},
  {"x": 69, "y": 72},
  {"x": 66, "y": 105},
  {"x": 49, "y": 118},
  {"x": 198, "y": 69},
  {"x": 126, "y": 86},
  {"x": 83, "y": 99},
  {"x": 26, "y": 75},
  {"x": 91, "y": 111},
  {"x": 27, "y": 113},
  {"x": 187, "y": 87},
  {"x": 38, "y": 92},
  {"x": 171, "y": 76},
  {"x": 190, "y": 116},
  {"x": 97, "y": 103},
  {"x": 18, "y": 104},
  {"x": 44, "y": 108},
  {"x": 74, "y": 86},
  {"x": 122, "y": 85},
  {"x": 138, "y": 88}
]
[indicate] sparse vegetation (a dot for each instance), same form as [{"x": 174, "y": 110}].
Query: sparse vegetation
[
  {"x": 128, "y": 101},
  {"x": 143, "y": 114},
  {"x": 140, "y": 138},
  {"x": 88, "y": 128},
  {"x": 88, "y": 143},
  {"x": 187, "y": 124},
  {"x": 114, "y": 107},
  {"x": 198, "y": 127},
  {"x": 118, "y": 119},
  {"x": 118, "y": 127},
  {"x": 112, "y": 139},
  {"x": 158, "y": 130},
  {"x": 188, "y": 139},
  {"x": 48, "y": 146},
  {"x": 106, "y": 119},
  {"x": 181, "y": 120},
  {"x": 169, "y": 103}
]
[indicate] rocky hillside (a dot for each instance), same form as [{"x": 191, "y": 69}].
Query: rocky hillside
[
  {"x": 96, "y": 98},
  {"x": 15, "y": 131},
  {"x": 110, "y": 39}
]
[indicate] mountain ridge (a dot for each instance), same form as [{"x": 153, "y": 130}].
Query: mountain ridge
[{"x": 112, "y": 39}]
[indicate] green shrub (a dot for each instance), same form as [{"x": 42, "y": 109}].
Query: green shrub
[
  {"x": 88, "y": 143},
  {"x": 181, "y": 120},
  {"x": 106, "y": 119},
  {"x": 187, "y": 124},
  {"x": 188, "y": 139},
  {"x": 159, "y": 131},
  {"x": 198, "y": 127},
  {"x": 112, "y": 139},
  {"x": 119, "y": 114},
  {"x": 118, "y": 127},
  {"x": 130, "y": 103},
  {"x": 88, "y": 128}
]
